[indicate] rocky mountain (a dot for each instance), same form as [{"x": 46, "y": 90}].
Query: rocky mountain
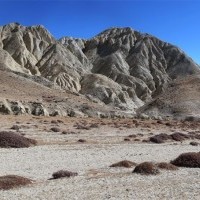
[{"x": 120, "y": 67}]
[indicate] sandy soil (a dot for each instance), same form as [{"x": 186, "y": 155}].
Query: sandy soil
[{"x": 104, "y": 146}]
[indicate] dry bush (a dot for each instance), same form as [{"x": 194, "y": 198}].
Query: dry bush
[
  {"x": 55, "y": 129},
  {"x": 94, "y": 125},
  {"x": 159, "y": 122},
  {"x": 13, "y": 181},
  {"x": 81, "y": 140},
  {"x": 145, "y": 141},
  {"x": 124, "y": 163},
  {"x": 132, "y": 136},
  {"x": 68, "y": 132},
  {"x": 167, "y": 166},
  {"x": 127, "y": 139},
  {"x": 179, "y": 136},
  {"x": 190, "y": 159},
  {"x": 146, "y": 168},
  {"x": 84, "y": 127},
  {"x": 197, "y": 136},
  {"x": 54, "y": 122},
  {"x": 168, "y": 124},
  {"x": 63, "y": 173},
  {"x": 136, "y": 140},
  {"x": 60, "y": 121},
  {"x": 10, "y": 139},
  {"x": 160, "y": 138},
  {"x": 15, "y": 127},
  {"x": 194, "y": 143}
]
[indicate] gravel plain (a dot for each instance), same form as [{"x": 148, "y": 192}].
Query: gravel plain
[{"x": 96, "y": 180}]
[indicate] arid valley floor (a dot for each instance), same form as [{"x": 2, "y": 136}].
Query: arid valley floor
[{"x": 103, "y": 142}]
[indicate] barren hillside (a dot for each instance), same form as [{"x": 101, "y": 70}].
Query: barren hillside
[{"x": 120, "y": 68}]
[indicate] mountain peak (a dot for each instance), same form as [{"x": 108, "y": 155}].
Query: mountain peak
[{"x": 119, "y": 67}]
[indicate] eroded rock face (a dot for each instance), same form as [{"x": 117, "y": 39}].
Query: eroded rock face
[
  {"x": 108, "y": 91},
  {"x": 119, "y": 67}
]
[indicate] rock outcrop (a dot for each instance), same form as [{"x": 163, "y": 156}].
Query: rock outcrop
[{"x": 119, "y": 67}]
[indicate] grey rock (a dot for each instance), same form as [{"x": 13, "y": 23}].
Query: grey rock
[{"x": 5, "y": 107}]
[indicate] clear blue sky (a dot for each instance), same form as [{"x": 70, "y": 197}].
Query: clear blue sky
[{"x": 174, "y": 21}]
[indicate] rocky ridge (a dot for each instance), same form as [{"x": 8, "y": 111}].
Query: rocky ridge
[{"x": 121, "y": 68}]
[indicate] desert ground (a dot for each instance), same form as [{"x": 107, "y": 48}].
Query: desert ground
[{"x": 89, "y": 146}]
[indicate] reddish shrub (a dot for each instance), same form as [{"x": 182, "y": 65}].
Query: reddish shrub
[
  {"x": 197, "y": 136},
  {"x": 179, "y": 136},
  {"x": 54, "y": 122},
  {"x": 167, "y": 166},
  {"x": 55, "y": 129},
  {"x": 136, "y": 140},
  {"x": 13, "y": 181},
  {"x": 191, "y": 159},
  {"x": 132, "y": 136},
  {"x": 146, "y": 168},
  {"x": 168, "y": 124},
  {"x": 160, "y": 138},
  {"x": 81, "y": 140},
  {"x": 194, "y": 143},
  {"x": 124, "y": 163},
  {"x": 15, "y": 127},
  {"x": 10, "y": 139},
  {"x": 84, "y": 127},
  {"x": 94, "y": 125},
  {"x": 127, "y": 139},
  {"x": 63, "y": 173},
  {"x": 145, "y": 141}
]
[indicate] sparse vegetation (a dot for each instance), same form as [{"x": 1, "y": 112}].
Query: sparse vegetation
[
  {"x": 81, "y": 140},
  {"x": 55, "y": 129},
  {"x": 10, "y": 139},
  {"x": 167, "y": 166},
  {"x": 63, "y": 173},
  {"x": 179, "y": 136},
  {"x": 160, "y": 138},
  {"x": 12, "y": 181},
  {"x": 191, "y": 159},
  {"x": 194, "y": 143},
  {"x": 15, "y": 127},
  {"x": 146, "y": 168},
  {"x": 127, "y": 139},
  {"x": 124, "y": 163}
]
